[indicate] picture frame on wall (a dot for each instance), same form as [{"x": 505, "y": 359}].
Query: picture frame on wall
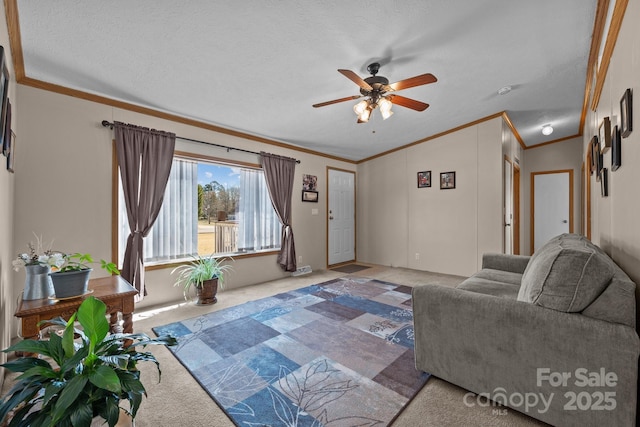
[
  {"x": 424, "y": 179},
  {"x": 604, "y": 135},
  {"x": 626, "y": 116},
  {"x": 595, "y": 149},
  {"x": 447, "y": 180},
  {"x": 599, "y": 164},
  {"x": 616, "y": 149},
  {"x": 309, "y": 196},
  {"x": 309, "y": 182},
  {"x": 4, "y": 89},
  {"x": 6, "y": 136},
  {"x": 604, "y": 183},
  {"x": 12, "y": 152}
]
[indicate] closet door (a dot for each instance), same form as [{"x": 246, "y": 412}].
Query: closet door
[{"x": 552, "y": 205}]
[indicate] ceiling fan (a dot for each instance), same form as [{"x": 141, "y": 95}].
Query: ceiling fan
[{"x": 376, "y": 89}]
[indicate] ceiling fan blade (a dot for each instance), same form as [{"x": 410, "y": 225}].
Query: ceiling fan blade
[
  {"x": 408, "y": 102},
  {"x": 420, "y": 80},
  {"x": 356, "y": 79},
  {"x": 335, "y": 101}
]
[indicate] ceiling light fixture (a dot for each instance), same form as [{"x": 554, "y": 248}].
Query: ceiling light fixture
[
  {"x": 504, "y": 90},
  {"x": 385, "y": 108},
  {"x": 547, "y": 130},
  {"x": 364, "y": 108}
]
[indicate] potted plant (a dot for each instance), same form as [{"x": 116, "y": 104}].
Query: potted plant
[
  {"x": 71, "y": 277},
  {"x": 206, "y": 274},
  {"x": 37, "y": 268},
  {"x": 86, "y": 379}
]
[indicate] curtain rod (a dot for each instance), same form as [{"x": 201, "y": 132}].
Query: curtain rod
[{"x": 106, "y": 123}]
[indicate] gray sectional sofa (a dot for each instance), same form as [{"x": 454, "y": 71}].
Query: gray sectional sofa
[{"x": 552, "y": 335}]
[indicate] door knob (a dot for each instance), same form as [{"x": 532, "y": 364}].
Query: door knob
[
  {"x": 331, "y": 217},
  {"x": 564, "y": 221}
]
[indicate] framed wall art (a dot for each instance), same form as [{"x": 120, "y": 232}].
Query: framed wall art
[
  {"x": 626, "y": 110},
  {"x": 309, "y": 196},
  {"x": 12, "y": 152},
  {"x": 424, "y": 179},
  {"x": 616, "y": 147},
  {"x": 309, "y": 183},
  {"x": 604, "y": 135},
  {"x": 595, "y": 151},
  {"x": 600, "y": 166},
  {"x": 6, "y": 136},
  {"x": 604, "y": 183},
  {"x": 447, "y": 180},
  {"x": 4, "y": 90}
]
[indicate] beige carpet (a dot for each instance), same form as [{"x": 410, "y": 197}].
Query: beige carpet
[{"x": 179, "y": 401}]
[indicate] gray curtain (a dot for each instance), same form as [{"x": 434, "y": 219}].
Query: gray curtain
[
  {"x": 279, "y": 172},
  {"x": 144, "y": 158}
]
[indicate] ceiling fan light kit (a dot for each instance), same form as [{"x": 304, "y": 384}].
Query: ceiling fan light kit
[{"x": 375, "y": 89}]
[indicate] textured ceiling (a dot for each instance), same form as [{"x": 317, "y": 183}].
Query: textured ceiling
[{"x": 258, "y": 66}]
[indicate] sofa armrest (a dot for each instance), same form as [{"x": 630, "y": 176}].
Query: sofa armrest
[
  {"x": 504, "y": 262},
  {"x": 499, "y": 346}
]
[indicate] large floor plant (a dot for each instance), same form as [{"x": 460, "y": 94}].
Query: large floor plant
[{"x": 78, "y": 381}]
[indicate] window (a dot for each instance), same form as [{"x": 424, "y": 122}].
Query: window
[{"x": 209, "y": 207}]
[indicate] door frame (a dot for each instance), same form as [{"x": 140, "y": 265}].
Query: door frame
[
  {"x": 355, "y": 217},
  {"x": 515, "y": 206},
  {"x": 515, "y": 224},
  {"x": 507, "y": 201},
  {"x": 533, "y": 193}
]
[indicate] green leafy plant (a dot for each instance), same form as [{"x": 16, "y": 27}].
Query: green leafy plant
[
  {"x": 200, "y": 269},
  {"x": 85, "y": 380},
  {"x": 78, "y": 261}
]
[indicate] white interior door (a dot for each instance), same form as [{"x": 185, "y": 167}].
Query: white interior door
[
  {"x": 341, "y": 216},
  {"x": 551, "y": 206}
]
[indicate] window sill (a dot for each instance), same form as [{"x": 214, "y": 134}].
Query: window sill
[{"x": 173, "y": 264}]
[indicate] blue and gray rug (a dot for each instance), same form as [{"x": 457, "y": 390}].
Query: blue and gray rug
[{"x": 339, "y": 353}]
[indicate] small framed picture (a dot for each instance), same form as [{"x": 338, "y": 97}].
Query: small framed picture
[
  {"x": 604, "y": 135},
  {"x": 4, "y": 90},
  {"x": 11, "y": 155},
  {"x": 600, "y": 165},
  {"x": 447, "y": 180},
  {"x": 309, "y": 182},
  {"x": 626, "y": 109},
  {"x": 309, "y": 196},
  {"x": 424, "y": 179},
  {"x": 616, "y": 149},
  {"x": 604, "y": 183},
  {"x": 595, "y": 152}
]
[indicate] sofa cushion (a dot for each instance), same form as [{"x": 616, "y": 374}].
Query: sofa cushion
[{"x": 566, "y": 274}]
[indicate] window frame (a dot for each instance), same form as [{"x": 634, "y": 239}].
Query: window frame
[{"x": 185, "y": 155}]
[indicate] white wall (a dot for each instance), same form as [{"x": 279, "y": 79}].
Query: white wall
[
  {"x": 615, "y": 219},
  {"x": 559, "y": 156},
  {"x": 447, "y": 229},
  {"x": 63, "y": 186},
  {"x": 7, "y": 185}
]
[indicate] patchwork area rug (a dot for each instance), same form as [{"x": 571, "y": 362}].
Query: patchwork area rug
[{"x": 339, "y": 353}]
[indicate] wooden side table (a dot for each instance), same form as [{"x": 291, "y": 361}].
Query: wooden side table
[{"x": 114, "y": 291}]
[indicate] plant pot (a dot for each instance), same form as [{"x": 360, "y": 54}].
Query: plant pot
[
  {"x": 206, "y": 293},
  {"x": 37, "y": 284},
  {"x": 70, "y": 283}
]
